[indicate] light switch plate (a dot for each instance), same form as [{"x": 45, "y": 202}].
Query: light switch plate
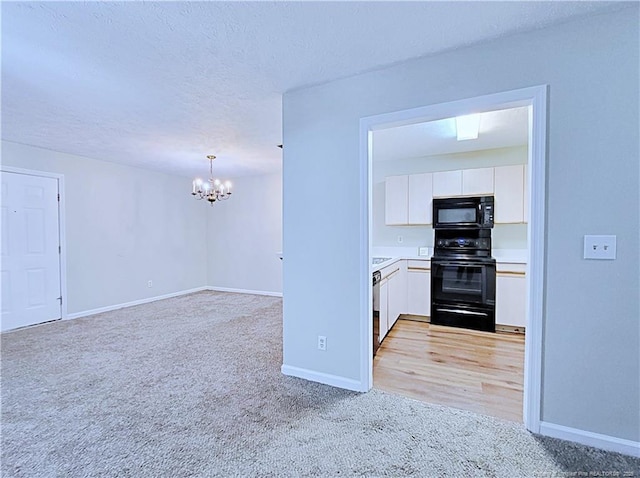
[{"x": 600, "y": 247}]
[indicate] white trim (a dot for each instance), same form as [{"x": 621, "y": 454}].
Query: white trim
[
  {"x": 365, "y": 273},
  {"x": 536, "y": 241},
  {"x": 62, "y": 230},
  {"x": 536, "y": 97},
  {"x": 167, "y": 296},
  {"x": 109, "y": 308},
  {"x": 605, "y": 442},
  {"x": 62, "y": 221},
  {"x": 30, "y": 172},
  {"x": 245, "y": 291},
  {"x": 321, "y": 377}
]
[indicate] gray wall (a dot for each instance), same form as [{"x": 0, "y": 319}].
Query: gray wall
[
  {"x": 591, "y": 329},
  {"x": 245, "y": 233},
  {"x": 124, "y": 226}
]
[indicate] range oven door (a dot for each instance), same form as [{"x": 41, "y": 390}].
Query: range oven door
[
  {"x": 465, "y": 282},
  {"x": 463, "y": 293}
]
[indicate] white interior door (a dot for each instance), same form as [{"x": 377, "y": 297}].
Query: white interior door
[{"x": 30, "y": 250}]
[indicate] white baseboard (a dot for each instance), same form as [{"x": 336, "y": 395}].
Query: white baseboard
[
  {"x": 108, "y": 308},
  {"x": 605, "y": 442},
  {"x": 245, "y": 291},
  {"x": 327, "y": 379}
]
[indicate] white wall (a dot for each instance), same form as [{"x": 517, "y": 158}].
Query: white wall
[
  {"x": 124, "y": 226},
  {"x": 244, "y": 235},
  {"x": 591, "y": 376},
  {"x": 504, "y": 236}
]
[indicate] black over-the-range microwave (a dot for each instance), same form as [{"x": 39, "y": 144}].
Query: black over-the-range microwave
[{"x": 463, "y": 212}]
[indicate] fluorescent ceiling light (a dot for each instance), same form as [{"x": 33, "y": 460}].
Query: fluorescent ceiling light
[{"x": 467, "y": 126}]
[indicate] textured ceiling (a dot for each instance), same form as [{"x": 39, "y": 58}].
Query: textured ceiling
[
  {"x": 497, "y": 129},
  {"x": 162, "y": 84}
]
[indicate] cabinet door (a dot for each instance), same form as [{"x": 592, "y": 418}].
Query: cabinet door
[
  {"x": 509, "y": 194},
  {"x": 419, "y": 292},
  {"x": 384, "y": 308},
  {"x": 525, "y": 195},
  {"x": 394, "y": 291},
  {"x": 396, "y": 200},
  {"x": 420, "y": 198},
  {"x": 477, "y": 182},
  {"x": 447, "y": 183},
  {"x": 397, "y": 295},
  {"x": 511, "y": 299}
]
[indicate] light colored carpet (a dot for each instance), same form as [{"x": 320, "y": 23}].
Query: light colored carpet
[{"x": 191, "y": 386}]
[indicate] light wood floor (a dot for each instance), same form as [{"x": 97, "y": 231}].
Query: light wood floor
[{"x": 478, "y": 371}]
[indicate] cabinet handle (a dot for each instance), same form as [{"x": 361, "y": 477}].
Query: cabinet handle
[
  {"x": 465, "y": 312},
  {"x": 391, "y": 273},
  {"x": 511, "y": 273}
]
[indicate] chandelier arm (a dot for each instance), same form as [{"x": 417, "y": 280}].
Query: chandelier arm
[{"x": 214, "y": 190}]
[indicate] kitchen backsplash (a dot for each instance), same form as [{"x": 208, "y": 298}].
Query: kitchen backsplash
[{"x": 504, "y": 236}]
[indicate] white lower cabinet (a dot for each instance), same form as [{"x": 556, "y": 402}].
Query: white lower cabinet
[
  {"x": 384, "y": 308},
  {"x": 394, "y": 290},
  {"x": 405, "y": 288},
  {"x": 511, "y": 298},
  {"x": 419, "y": 287},
  {"x": 398, "y": 292},
  {"x": 393, "y": 295}
]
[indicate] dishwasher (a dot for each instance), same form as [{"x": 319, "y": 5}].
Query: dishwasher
[{"x": 377, "y": 277}]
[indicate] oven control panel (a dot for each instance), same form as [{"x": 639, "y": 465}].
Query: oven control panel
[{"x": 464, "y": 242}]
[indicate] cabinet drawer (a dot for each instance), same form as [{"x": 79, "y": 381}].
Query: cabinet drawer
[
  {"x": 511, "y": 268},
  {"x": 419, "y": 264}
]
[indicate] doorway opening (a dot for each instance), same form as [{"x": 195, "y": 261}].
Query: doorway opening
[{"x": 530, "y": 106}]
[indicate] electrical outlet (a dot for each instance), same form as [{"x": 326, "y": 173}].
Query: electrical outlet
[
  {"x": 423, "y": 251},
  {"x": 400, "y": 239},
  {"x": 150, "y": 284},
  {"x": 600, "y": 247},
  {"x": 322, "y": 342}
]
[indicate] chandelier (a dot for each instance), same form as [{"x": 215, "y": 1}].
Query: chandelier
[{"x": 213, "y": 189}]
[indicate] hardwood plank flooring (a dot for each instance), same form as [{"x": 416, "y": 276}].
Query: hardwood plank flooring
[{"x": 472, "y": 370}]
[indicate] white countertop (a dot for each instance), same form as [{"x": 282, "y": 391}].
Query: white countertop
[
  {"x": 515, "y": 256},
  {"x": 510, "y": 256}
]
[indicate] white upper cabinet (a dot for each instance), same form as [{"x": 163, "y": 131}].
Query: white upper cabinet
[
  {"x": 447, "y": 183},
  {"x": 420, "y": 198},
  {"x": 477, "y": 182},
  {"x": 408, "y": 199},
  {"x": 509, "y": 194},
  {"x": 396, "y": 199}
]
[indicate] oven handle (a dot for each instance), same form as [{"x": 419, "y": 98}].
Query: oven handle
[
  {"x": 466, "y": 312},
  {"x": 457, "y": 263}
]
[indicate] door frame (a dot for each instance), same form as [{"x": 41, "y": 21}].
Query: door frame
[
  {"x": 536, "y": 98},
  {"x": 61, "y": 227}
]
